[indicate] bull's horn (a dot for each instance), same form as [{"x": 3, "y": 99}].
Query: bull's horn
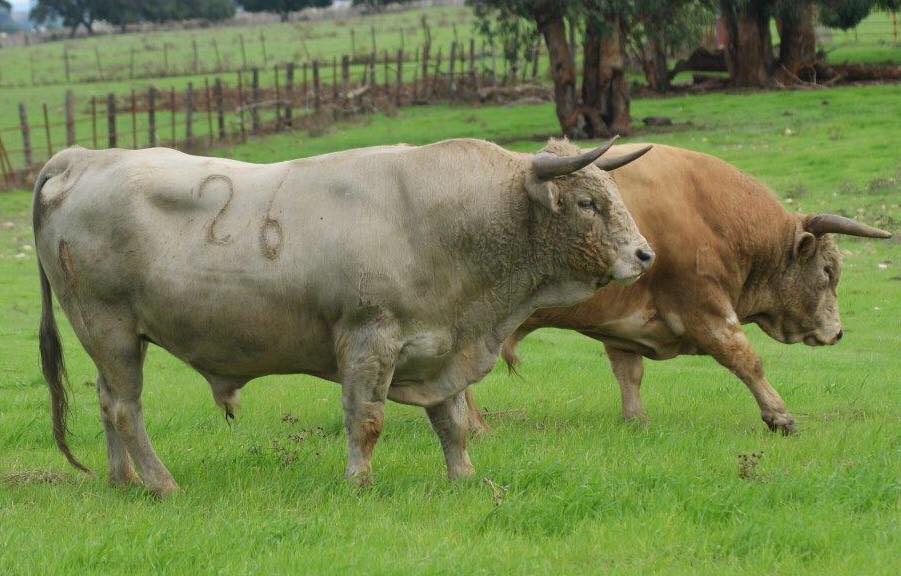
[
  {"x": 614, "y": 163},
  {"x": 825, "y": 223},
  {"x": 547, "y": 166}
]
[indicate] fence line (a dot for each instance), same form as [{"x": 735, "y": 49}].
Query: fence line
[{"x": 133, "y": 118}]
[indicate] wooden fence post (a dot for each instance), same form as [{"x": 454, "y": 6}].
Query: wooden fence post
[
  {"x": 289, "y": 93},
  {"x": 111, "y": 120},
  {"x": 165, "y": 58},
  {"x": 218, "y": 56},
  {"x": 151, "y": 117},
  {"x": 196, "y": 63},
  {"x": 345, "y": 72},
  {"x": 399, "y": 77},
  {"x": 472, "y": 57},
  {"x": 334, "y": 78},
  {"x": 243, "y": 53},
  {"x": 305, "y": 89},
  {"x": 220, "y": 108},
  {"x": 70, "y": 118},
  {"x": 424, "y": 74},
  {"x": 26, "y": 135},
  {"x": 47, "y": 131},
  {"x": 66, "y": 61},
  {"x": 189, "y": 115},
  {"x": 317, "y": 102},
  {"x": 172, "y": 107},
  {"x": 452, "y": 86},
  {"x": 436, "y": 73},
  {"x": 241, "y": 105},
  {"x": 99, "y": 65},
  {"x": 209, "y": 110},
  {"x": 263, "y": 44},
  {"x": 134, "y": 120},
  {"x": 94, "y": 122},
  {"x": 255, "y": 100},
  {"x": 278, "y": 101},
  {"x": 387, "y": 78}
]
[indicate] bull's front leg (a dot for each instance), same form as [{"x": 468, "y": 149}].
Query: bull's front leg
[
  {"x": 450, "y": 421},
  {"x": 628, "y": 369},
  {"x": 727, "y": 343},
  {"x": 366, "y": 359}
]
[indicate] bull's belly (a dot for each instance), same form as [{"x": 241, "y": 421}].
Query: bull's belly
[{"x": 642, "y": 333}]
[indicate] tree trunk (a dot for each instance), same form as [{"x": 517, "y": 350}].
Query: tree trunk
[
  {"x": 654, "y": 64},
  {"x": 749, "y": 50},
  {"x": 798, "y": 42},
  {"x": 614, "y": 86},
  {"x": 591, "y": 83},
  {"x": 563, "y": 74}
]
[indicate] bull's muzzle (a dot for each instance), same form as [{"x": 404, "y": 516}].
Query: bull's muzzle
[{"x": 633, "y": 263}]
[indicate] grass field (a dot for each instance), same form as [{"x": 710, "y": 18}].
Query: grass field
[{"x": 562, "y": 485}]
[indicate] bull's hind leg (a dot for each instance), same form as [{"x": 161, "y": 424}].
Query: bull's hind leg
[
  {"x": 628, "y": 369},
  {"x": 366, "y": 356},
  {"x": 121, "y": 472},
  {"x": 119, "y": 353},
  {"x": 449, "y": 419}
]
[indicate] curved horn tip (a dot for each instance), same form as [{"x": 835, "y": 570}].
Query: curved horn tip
[
  {"x": 547, "y": 166},
  {"x": 820, "y": 224},
  {"x": 610, "y": 164}
]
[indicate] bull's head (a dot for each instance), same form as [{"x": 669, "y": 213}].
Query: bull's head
[
  {"x": 583, "y": 216},
  {"x": 805, "y": 299}
]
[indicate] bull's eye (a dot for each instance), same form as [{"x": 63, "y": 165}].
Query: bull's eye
[
  {"x": 587, "y": 204},
  {"x": 829, "y": 274}
]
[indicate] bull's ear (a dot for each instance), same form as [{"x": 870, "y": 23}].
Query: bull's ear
[
  {"x": 805, "y": 246},
  {"x": 545, "y": 193}
]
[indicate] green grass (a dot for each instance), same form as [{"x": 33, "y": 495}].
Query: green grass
[
  {"x": 872, "y": 42},
  {"x": 572, "y": 489}
]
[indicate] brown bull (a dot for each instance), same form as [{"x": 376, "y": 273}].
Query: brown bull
[{"x": 727, "y": 254}]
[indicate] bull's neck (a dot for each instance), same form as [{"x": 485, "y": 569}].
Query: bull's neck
[{"x": 765, "y": 252}]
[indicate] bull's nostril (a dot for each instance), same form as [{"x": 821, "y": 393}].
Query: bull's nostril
[
  {"x": 839, "y": 335},
  {"x": 644, "y": 255}
]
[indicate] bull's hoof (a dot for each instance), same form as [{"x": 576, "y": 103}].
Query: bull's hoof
[
  {"x": 461, "y": 471},
  {"x": 164, "y": 489},
  {"x": 123, "y": 478},
  {"x": 359, "y": 479},
  {"x": 635, "y": 417},
  {"x": 780, "y": 422}
]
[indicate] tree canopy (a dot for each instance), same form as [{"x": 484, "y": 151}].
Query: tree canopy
[{"x": 76, "y": 13}]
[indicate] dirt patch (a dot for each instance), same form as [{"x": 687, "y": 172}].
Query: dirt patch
[
  {"x": 747, "y": 465},
  {"x": 31, "y": 477}
]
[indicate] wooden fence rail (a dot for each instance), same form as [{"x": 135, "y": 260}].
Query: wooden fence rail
[{"x": 273, "y": 99}]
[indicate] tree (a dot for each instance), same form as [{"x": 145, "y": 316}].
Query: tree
[
  {"x": 602, "y": 105},
  {"x": 282, "y": 7},
  {"x": 797, "y": 38},
  {"x": 666, "y": 26},
  {"x": 844, "y": 14},
  {"x": 749, "y": 47},
  {"x": 72, "y": 13},
  {"x": 4, "y": 5}
]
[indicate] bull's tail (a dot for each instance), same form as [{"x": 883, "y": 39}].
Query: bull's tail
[{"x": 52, "y": 363}]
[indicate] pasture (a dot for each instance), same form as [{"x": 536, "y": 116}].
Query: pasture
[
  {"x": 562, "y": 484},
  {"x": 119, "y": 63}
]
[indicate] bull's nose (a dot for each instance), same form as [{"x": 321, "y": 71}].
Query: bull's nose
[
  {"x": 838, "y": 336},
  {"x": 646, "y": 257}
]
